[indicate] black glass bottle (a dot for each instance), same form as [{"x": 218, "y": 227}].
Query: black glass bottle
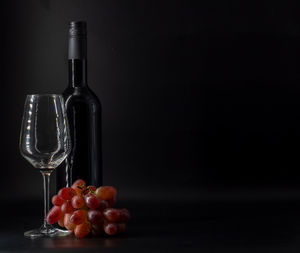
[{"x": 84, "y": 116}]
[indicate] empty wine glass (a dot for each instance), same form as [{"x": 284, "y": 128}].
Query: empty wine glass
[{"x": 45, "y": 143}]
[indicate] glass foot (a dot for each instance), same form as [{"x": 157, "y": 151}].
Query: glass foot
[{"x": 48, "y": 231}]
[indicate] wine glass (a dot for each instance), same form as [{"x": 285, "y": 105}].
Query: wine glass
[{"x": 45, "y": 143}]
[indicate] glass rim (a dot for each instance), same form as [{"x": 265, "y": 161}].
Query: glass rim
[{"x": 44, "y": 95}]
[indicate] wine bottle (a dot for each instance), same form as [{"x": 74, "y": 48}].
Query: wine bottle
[{"x": 84, "y": 116}]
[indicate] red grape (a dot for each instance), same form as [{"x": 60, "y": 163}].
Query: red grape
[
  {"x": 82, "y": 230},
  {"x": 67, "y": 223},
  {"x": 121, "y": 228},
  {"x": 92, "y": 201},
  {"x": 106, "y": 192},
  {"x": 103, "y": 205},
  {"x": 61, "y": 221},
  {"x": 66, "y": 193},
  {"x": 67, "y": 207},
  {"x": 78, "y": 217},
  {"x": 53, "y": 215},
  {"x": 57, "y": 201},
  {"x": 110, "y": 228},
  {"x": 95, "y": 216},
  {"x": 124, "y": 215},
  {"x": 111, "y": 214},
  {"x": 78, "y": 201},
  {"x": 79, "y": 186},
  {"x": 79, "y": 182}
]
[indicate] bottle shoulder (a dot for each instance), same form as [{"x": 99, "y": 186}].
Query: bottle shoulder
[{"x": 80, "y": 95}]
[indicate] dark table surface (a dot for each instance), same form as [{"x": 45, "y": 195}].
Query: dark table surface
[{"x": 170, "y": 227}]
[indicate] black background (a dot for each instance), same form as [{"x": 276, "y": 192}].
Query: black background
[{"x": 200, "y": 98}]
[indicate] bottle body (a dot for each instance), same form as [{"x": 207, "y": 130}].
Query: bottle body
[{"x": 84, "y": 116}]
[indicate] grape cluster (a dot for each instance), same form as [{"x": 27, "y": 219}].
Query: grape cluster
[{"x": 85, "y": 210}]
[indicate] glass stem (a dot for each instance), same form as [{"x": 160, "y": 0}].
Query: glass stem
[{"x": 46, "y": 179}]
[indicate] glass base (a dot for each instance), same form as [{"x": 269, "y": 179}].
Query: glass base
[{"x": 48, "y": 231}]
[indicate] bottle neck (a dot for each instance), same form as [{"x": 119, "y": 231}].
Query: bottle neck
[
  {"x": 77, "y": 55},
  {"x": 77, "y": 73}
]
